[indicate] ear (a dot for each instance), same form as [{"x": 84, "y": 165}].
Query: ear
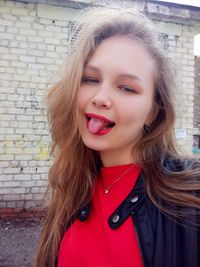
[{"x": 153, "y": 114}]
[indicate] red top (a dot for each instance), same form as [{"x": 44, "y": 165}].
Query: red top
[{"x": 93, "y": 242}]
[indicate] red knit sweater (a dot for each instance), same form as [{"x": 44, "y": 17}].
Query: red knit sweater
[{"x": 93, "y": 243}]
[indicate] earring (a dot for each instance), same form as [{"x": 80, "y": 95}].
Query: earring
[{"x": 146, "y": 129}]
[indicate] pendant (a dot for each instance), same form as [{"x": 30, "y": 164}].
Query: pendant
[{"x": 106, "y": 191}]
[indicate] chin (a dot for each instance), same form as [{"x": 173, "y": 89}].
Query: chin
[{"x": 94, "y": 145}]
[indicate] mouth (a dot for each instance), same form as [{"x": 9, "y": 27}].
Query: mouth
[{"x": 98, "y": 124}]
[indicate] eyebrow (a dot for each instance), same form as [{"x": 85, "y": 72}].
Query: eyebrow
[{"x": 129, "y": 76}]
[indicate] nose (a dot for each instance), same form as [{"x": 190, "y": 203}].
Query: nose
[{"x": 102, "y": 99}]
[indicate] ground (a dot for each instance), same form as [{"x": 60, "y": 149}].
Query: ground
[{"x": 18, "y": 241}]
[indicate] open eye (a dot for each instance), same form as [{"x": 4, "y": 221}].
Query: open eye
[
  {"x": 90, "y": 80},
  {"x": 127, "y": 89}
]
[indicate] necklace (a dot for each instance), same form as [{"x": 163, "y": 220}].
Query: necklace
[{"x": 107, "y": 189}]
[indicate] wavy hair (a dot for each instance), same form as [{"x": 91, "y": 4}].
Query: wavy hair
[{"x": 72, "y": 175}]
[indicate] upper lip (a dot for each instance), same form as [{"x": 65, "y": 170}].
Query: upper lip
[{"x": 99, "y": 117}]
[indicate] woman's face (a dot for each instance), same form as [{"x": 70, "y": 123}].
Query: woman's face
[{"x": 116, "y": 99}]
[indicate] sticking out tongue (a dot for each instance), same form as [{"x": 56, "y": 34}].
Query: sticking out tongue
[{"x": 95, "y": 125}]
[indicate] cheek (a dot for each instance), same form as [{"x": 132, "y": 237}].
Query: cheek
[{"x": 81, "y": 98}]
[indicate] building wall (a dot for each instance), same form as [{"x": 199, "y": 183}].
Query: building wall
[
  {"x": 33, "y": 43},
  {"x": 196, "y": 144}
]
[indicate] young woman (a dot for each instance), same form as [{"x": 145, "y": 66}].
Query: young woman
[{"x": 121, "y": 195}]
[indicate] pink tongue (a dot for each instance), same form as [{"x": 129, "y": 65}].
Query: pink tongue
[{"x": 95, "y": 125}]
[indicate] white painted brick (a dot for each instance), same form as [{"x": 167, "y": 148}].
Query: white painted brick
[
  {"x": 52, "y": 54},
  {"x": 51, "y": 47},
  {"x": 36, "y": 39},
  {"x": 22, "y": 25},
  {"x": 4, "y": 42},
  {"x": 6, "y": 131},
  {"x": 28, "y": 19},
  {"x": 21, "y": 37},
  {"x": 6, "y": 22},
  {"x": 4, "y": 164},
  {"x": 12, "y": 170},
  {"x": 2, "y": 137},
  {"x": 14, "y": 151},
  {"x": 9, "y": 17},
  {"x": 14, "y": 44},
  {"x": 9, "y": 57},
  {"x": 36, "y": 66},
  {"x": 28, "y": 32},
  {"x": 37, "y": 26},
  {"x": 61, "y": 36},
  {"x": 5, "y": 76},
  {"x": 35, "y": 190},
  {"x": 4, "y": 177},
  {"x": 61, "y": 23},
  {"x": 38, "y": 79},
  {"x": 28, "y": 196},
  {"x": 12, "y": 30},
  {"x": 6, "y": 157},
  {"x": 36, "y": 52},
  {"x": 42, "y": 46},
  {"x": 45, "y": 21},
  {"x": 22, "y": 177},
  {"x": 11, "y": 204},
  {"x": 18, "y": 51},
  {"x": 29, "y": 184},
  {"x": 19, "y": 190},
  {"x": 2, "y": 69},
  {"x": 38, "y": 197},
  {"x": 18, "y": 64},
  {"x": 11, "y": 197},
  {"x": 12, "y": 184},
  {"x": 45, "y": 60},
  {"x": 5, "y": 190},
  {"x": 28, "y": 59},
  {"x": 25, "y": 117},
  {"x": 4, "y": 63},
  {"x": 14, "y": 163},
  {"x": 23, "y": 131},
  {"x": 45, "y": 34},
  {"x": 52, "y": 41},
  {"x": 53, "y": 28},
  {"x": 4, "y": 50},
  {"x": 4, "y": 9},
  {"x": 19, "y": 10},
  {"x": 61, "y": 49},
  {"x": 7, "y": 36},
  {"x": 20, "y": 204},
  {"x": 29, "y": 204}
]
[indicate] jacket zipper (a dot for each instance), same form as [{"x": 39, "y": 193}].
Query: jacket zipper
[{"x": 139, "y": 240}]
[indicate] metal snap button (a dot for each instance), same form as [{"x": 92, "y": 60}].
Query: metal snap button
[
  {"x": 115, "y": 218},
  {"x": 83, "y": 213},
  {"x": 134, "y": 199}
]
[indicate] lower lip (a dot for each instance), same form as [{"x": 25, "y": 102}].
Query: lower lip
[{"x": 100, "y": 132}]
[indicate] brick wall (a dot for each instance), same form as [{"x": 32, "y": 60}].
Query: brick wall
[
  {"x": 197, "y": 93},
  {"x": 32, "y": 51}
]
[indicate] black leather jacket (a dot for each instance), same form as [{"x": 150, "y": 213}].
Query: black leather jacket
[{"x": 163, "y": 242}]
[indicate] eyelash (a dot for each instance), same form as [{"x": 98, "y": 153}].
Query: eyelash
[
  {"x": 124, "y": 88},
  {"x": 90, "y": 80},
  {"x": 127, "y": 89}
]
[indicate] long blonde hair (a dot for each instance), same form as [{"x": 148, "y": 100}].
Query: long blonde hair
[{"x": 72, "y": 175}]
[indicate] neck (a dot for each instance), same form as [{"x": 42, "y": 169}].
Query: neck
[{"x": 114, "y": 159}]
